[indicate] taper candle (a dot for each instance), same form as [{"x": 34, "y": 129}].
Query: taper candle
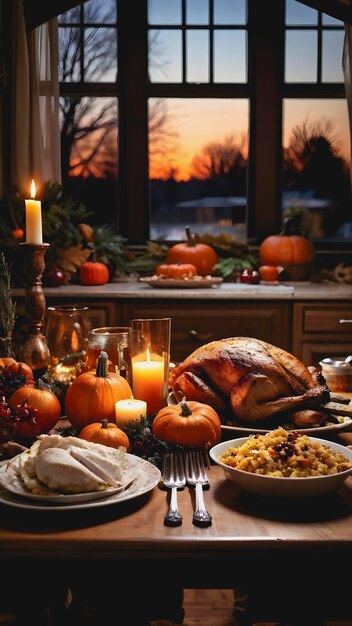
[{"x": 33, "y": 218}]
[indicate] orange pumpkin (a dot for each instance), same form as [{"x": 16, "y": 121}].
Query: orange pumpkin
[
  {"x": 17, "y": 233},
  {"x": 92, "y": 395},
  {"x": 293, "y": 252},
  {"x": 188, "y": 424},
  {"x": 202, "y": 256},
  {"x": 22, "y": 369},
  {"x": 41, "y": 399},
  {"x": 176, "y": 270},
  {"x": 5, "y": 361},
  {"x": 105, "y": 433},
  {"x": 93, "y": 273}
]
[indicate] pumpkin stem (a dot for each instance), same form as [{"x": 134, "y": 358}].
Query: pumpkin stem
[
  {"x": 102, "y": 367},
  {"x": 185, "y": 410},
  {"x": 93, "y": 257},
  {"x": 104, "y": 423},
  {"x": 190, "y": 238}
]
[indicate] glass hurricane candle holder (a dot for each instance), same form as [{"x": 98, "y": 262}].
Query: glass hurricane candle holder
[{"x": 149, "y": 341}]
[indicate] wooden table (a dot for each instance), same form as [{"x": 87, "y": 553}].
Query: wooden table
[{"x": 285, "y": 551}]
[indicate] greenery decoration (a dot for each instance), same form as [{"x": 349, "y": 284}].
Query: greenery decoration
[
  {"x": 146, "y": 262},
  {"x": 7, "y": 310},
  {"x": 109, "y": 247}
]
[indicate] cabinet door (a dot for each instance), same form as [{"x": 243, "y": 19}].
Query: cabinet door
[
  {"x": 320, "y": 330},
  {"x": 193, "y": 325}
]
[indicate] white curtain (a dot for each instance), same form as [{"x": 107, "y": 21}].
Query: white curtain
[
  {"x": 347, "y": 72},
  {"x": 35, "y": 132}
]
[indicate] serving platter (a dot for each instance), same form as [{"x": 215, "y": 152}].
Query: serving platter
[
  {"x": 167, "y": 283},
  {"x": 143, "y": 477},
  {"x": 343, "y": 422}
]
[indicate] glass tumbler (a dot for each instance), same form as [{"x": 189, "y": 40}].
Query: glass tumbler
[
  {"x": 114, "y": 341},
  {"x": 67, "y": 327}
]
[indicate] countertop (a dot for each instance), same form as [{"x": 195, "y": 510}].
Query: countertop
[{"x": 225, "y": 291}]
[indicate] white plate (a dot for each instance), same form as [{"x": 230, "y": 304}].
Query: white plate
[
  {"x": 281, "y": 486},
  {"x": 167, "y": 283},
  {"x": 344, "y": 423},
  {"x": 145, "y": 477}
]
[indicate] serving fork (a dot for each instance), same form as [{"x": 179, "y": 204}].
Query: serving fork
[
  {"x": 173, "y": 476},
  {"x": 196, "y": 476}
]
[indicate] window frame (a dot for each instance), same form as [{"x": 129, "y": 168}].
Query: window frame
[{"x": 265, "y": 91}]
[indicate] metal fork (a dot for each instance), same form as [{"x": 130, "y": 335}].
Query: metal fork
[
  {"x": 196, "y": 475},
  {"x": 173, "y": 476}
]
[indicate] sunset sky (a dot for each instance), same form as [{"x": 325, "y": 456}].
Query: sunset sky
[{"x": 198, "y": 122}]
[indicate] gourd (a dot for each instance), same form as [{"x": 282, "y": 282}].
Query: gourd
[
  {"x": 93, "y": 272},
  {"x": 18, "y": 368},
  {"x": 291, "y": 251},
  {"x": 92, "y": 395},
  {"x": 176, "y": 270},
  {"x": 41, "y": 399},
  {"x": 202, "y": 256},
  {"x": 188, "y": 424},
  {"x": 105, "y": 433}
]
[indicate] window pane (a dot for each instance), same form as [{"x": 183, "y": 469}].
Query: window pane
[
  {"x": 301, "y": 56},
  {"x": 230, "y": 56},
  {"x": 165, "y": 55},
  {"x": 89, "y": 154},
  {"x": 230, "y": 11},
  {"x": 164, "y": 12},
  {"x": 197, "y": 56},
  {"x": 198, "y": 150},
  {"x": 100, "y": 59},
  {"x": 71, "y": 16},
  {"x": 99, "y": 11},
  {"x": 316, "y": 165},
  {"x": 69, "y": 55},
  {"x": 331, "y": 20},
  {"x": 298, "y": 14},
  {"x": 197, "y": 12},
  {"x": 332, "y": 56}
]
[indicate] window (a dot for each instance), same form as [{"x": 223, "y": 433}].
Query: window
[{"x": 183, "y": 112}]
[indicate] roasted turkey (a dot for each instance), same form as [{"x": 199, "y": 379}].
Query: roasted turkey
[{"x": 252, "y": 379}]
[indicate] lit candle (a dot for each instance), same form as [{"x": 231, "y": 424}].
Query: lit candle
[
  {"x": 33, "y": 218},
  {"x": 127, "y": 410},
  {"x": 148, "y": 382}
]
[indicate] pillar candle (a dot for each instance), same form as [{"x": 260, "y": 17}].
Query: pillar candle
[
  {"x": 127, "y": 410},
  {"x": 148, "y": 383},
  {"x": 33, "y": 218}
]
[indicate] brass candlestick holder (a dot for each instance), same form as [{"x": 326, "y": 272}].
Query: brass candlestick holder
[{"x": 35, "y": 351}]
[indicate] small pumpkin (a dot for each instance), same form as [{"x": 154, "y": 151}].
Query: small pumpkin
[
  {"x": 93, "y": 272},
  {"x": 105, "y": 433},
  {"x": 293, "y": 252},
  {"x": 176, "y": 270},
  {"x": 92, "y": 395},
  {"x": 5, "y": 361},
  {"x": 22, "y": 369},
  {"x": 188, "y": 424},
  {"x": 41, "y": 399},
  {"x": 202, "y": 256}
]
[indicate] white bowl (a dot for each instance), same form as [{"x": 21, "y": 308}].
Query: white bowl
[{"x": 281, "y": 486}]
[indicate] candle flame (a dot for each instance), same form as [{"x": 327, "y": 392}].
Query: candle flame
[
  {"x": 148, "y": 355},
  {"x": 33, "y": 190}
]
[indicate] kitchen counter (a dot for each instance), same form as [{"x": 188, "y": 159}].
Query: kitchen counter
[{"x": 226, "y": 291}]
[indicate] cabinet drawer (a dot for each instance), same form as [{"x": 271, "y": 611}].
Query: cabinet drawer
[
  {"x": 195, "y": 325},
  {"x": 318, "y": 320}
]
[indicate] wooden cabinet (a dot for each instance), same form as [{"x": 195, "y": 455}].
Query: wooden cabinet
[
  {"x": 321, "y": 329},
  {"x": 194, "y": 324}
]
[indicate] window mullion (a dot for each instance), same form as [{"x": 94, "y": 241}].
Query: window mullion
[
  {"x": 265, "y": 58},
  {"x": 133, "y": 122}
]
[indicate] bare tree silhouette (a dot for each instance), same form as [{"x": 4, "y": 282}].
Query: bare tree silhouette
[
  {"x": 313, "y": 159},
  {"x": 89, "y": 126},
  {"x": 219, "y": 159}
]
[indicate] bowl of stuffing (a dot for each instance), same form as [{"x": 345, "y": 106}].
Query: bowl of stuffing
[{"x": 284, "y": 463}]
